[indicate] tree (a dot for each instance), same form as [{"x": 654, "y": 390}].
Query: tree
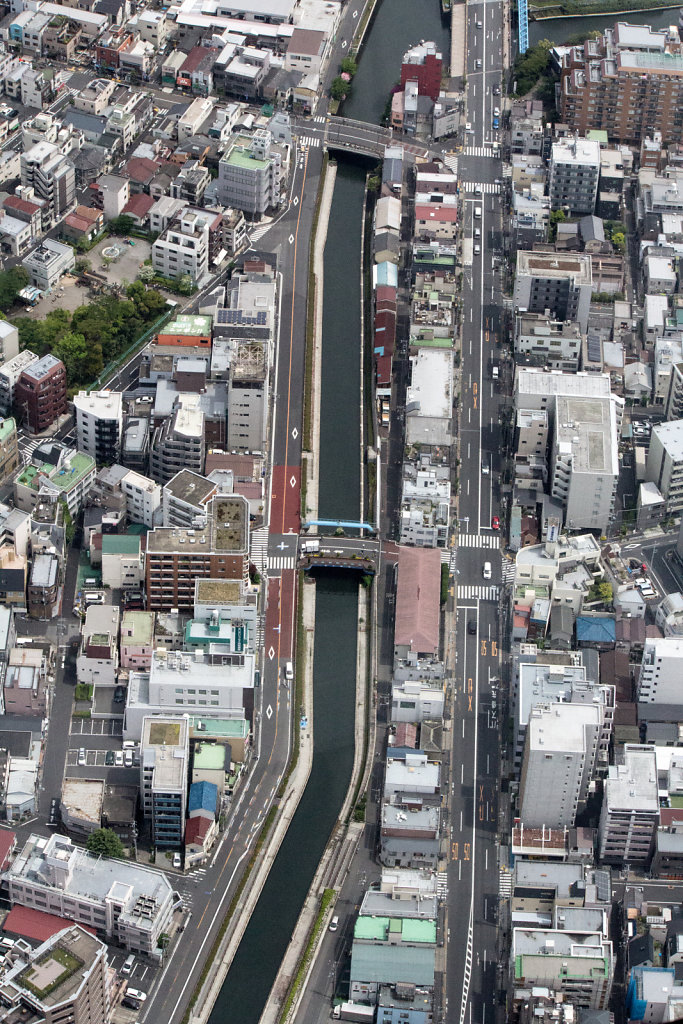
[
  {"x": 105, "y": 843},
  {"x": 531, "y": 66},
  {"x": 601, "y": 591},
  {"x": 339, "y": 89},
  {"x": 556, "y": 217},
  {"x": 121, "y": 225},
  {"x": 82, "y": 265},
  {"x": 349, "y": 65},
  {"x": 619, "y": 241},
  {"x": 11, "y": 283}
]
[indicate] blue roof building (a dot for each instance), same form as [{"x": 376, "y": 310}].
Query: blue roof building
[{"x": 203, "y": 799}]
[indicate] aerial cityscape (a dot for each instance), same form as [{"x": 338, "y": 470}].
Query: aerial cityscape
[{"x": 341, "y": 494}]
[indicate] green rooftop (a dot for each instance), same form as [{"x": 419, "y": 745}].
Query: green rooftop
[
  {"x": 243, "y": 158},
  {"x": 186, "y": 324},
  {"x": 137, "y": 627},
  {"x": 233, "y": 728},
  {"x": 427, "y": 257},
  {"x": 209, "y": 757},
  {"x": 120, "y": 544},
  {"x": 380, "y": 929},
  {"x": 66, "y": 476},
  {"x": 431, "y": 342}
]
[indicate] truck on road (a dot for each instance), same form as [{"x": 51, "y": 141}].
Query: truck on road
[{"x": 354, "y": 1011}]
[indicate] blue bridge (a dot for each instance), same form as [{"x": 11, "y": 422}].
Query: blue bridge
[{"x": 337, "y": 524}]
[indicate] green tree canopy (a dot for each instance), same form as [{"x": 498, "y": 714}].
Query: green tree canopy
[
  {"x": 349, "y": 66},
  {"x": 105, "y": 843},
  {"x": 121, "y": 225},
  {"x": 11, "y": 283},
  {"x": 531, "y": 66},
  {"x": 339, "y": 89}
]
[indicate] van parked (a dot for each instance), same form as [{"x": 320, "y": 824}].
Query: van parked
[
  {"x": 128, "y": 965},
  {"x": 477, "y": 211},
  {"x": 289, "y": 671}
]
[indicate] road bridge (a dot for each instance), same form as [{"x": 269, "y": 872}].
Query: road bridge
[
  {"x": 355, "y": 553},
  {"x": 346, "y": 134}
]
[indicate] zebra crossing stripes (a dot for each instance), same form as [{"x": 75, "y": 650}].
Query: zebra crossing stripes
[
  {"x": 445, "y": 555},
  {"x": 470, "y": 592},
  {"x": 259, "y": 549},
  {"x": 508, "y": 572},
  {"x": 442, "y": 885},
  {"x": 484, "y": 187},
  {"x": 478, "y": 151},
  {"x": 313, "y": 141},
  {"x": 281, "y": 562},
  {"x": 505, "y": 883},
  {"x": 478, "y": 540},
  {"x": 259, "y": 232},
  {"x": 320, "y": 118}
]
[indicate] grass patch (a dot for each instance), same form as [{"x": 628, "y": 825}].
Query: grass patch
[
  {"x": 83, "y": 691},
  {"x": 215, "y": 948},
  {"x": 325, "y": 902},
  {"x": 81, "y": 714}
]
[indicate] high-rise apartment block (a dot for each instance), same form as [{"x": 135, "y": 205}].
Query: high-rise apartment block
[
  {"x": 574, "y": 173},
  {"x": 558, "y": 283},
  {"x": 46, "y": 170},
  {"x": 628, "y": 82},
  {"x": 99, "y": 424},
  {"x": 40, "y": 393},
  {"x": 165, "y": 747},
  {"x": 664, "y": 466},
  {"x": 630, "y": 808}
]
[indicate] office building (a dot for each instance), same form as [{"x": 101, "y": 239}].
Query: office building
[
  {"x": 64, "y": 979},
  {"x": 660, "y": 680},
  {"x": 40, "y": 393},
  {"x": 143, "y": 498},
  {"x": 43, "y": 586},
  {"x": 559, "y": 762},
  {"x": 51, "y": 175},
  {"x": 122, "y": 901},
  {"x": 574, "y": 171},
  {"x": 576, "y": 965},
  {"x": 99, "y": 424},
  {"x": 177, "y": 557},
  {"x": 630, "y": 808},
  {"x": 627, "y": 82},
  {"x": 584, "y": 461},
  {"x": 664, "y": 466},
  {"x": 423, "y": 64},
  {"x": 164, "y": 753},
  {"x": 48, "y": 263},
  {"x": 558, "y": 284},
  {"x": 543, "y": 341},
  {"x": 248, "y": 396},
  {"x": 178, "y": 443},
  {"x": 10, "y": 372},
  {"x": 391, "y": 951},
  {"x": 137, "y": 639},
  {"x": 249, "y": 175}
]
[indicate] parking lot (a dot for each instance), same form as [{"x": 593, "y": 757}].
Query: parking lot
[{"x": 96, "y": 727}]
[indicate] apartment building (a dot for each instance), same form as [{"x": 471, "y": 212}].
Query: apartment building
[
  {"x": 143, "y": 498},
  {"x": 559, "y": 283},
  {"x": 176, "y": 557},
  {"x": 183, "y": 249},
  {"x": 10, "y": 372},
  {"x": 98, "y": 658},
  {"x": 99, "y": 424},
  {"x": 574, "y": 170},
  {"x": 178, "y": 443},
  {"x": 40, "y": 393},
  {"x": 630, "y": 808},
  {"x": 661, "y": 671},
  {"x": 664, "y": 466},
  {"x": 186, "y": 497},
  {"x": 164, "y": 762},
  {"x": 628, "y": 83},
  {"x": 248, "y": 396},
  {"x": 122, "y": 901},
  {"x": 576, "y": 965},
  {"x": 560, "y": 753},
  {"x": 543, "y": 341},
  {"x": 65, "y": 978},
  {"x": 51, "y": 175},
  {"x": 137, "y": 639},
  {"x": 55, "y": 471},
  {"x": 584, "y": 460}
]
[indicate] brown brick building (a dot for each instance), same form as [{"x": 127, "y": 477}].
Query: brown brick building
[
  {"x": 628, "y": 82},
  {"x": 177, "y": 557},
  {"x": 40, "y": 394}
]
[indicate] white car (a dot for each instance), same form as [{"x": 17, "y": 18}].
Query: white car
[
  {"x": 487, "y": 570},
  {"x": 496, "y": 111},
  {"x": 82, "y": 759},
  {"x": 485, "y": 469},
  {"x": 177, "y": 860},
  {"x": 135, "y": 993},
  {"x": 468, "y": 127}
]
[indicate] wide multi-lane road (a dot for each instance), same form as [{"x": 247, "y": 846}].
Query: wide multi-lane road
[{"x": 472, "y": 979}]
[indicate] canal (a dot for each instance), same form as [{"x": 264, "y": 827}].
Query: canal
[
  {"x": 253, "y": 971},
  {"x": 559, "y": 30}
]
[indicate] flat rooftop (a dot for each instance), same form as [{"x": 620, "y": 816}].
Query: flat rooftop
[
  {"x": 137, "y": 627},
  {"x": 192, "y": 488},
  {"x": 633, "y": 784},
  {"x": 554, "y": 265},
  {"x": 217, "y": 591},
  {"x": 587, "y": 428}
]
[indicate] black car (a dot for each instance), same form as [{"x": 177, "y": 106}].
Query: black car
[
  {"x": 119, "y": 694},
  {"x": 110, "y": 758},
  {"x": 132, "y": 1004},
  {"x": 472, "y": 627}
]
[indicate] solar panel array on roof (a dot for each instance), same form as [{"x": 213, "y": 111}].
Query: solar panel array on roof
[
  {"x": 239, "y": 317},
  {"x": 602, "y": 882}
]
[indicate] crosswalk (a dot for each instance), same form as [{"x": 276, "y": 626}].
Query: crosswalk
[
  {"x": 478, "y": 540},
  {"x": 478, "y": 151},
  {"x": 473, "y": 592},
  {"x": 320, "y": 118},
  {"x": 30, "y": 447},
  {"x": 260, "y": 631},
  {"x": 259, "y": 549},
  {"x": 505, "y": 883},
  {"x": 442, "y": 885},
  {"x": 312, "y": 141},
  {"x": 281, "y": 562},
  {"x": 483, "y": 187},
  {"x": 508, "y": 572}
]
